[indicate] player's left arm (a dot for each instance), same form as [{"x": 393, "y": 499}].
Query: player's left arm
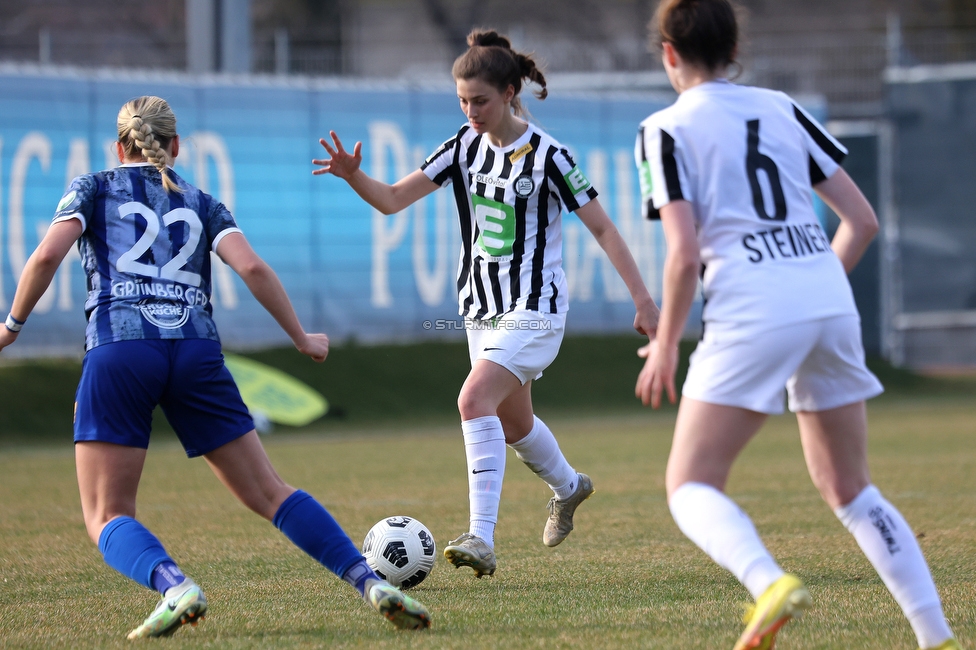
[
  {"x": 681, "y": 267},
  {"x": 39, "y": 271},
  {"x": 858, "y": 223},
  {"x": 595, "y": 218},
  {"x": 264, "y": 284}
]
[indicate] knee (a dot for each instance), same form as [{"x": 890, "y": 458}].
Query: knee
[{"x": 471, "y": 405}]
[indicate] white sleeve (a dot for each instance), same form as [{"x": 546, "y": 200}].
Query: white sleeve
[
  {"x": 662, "y": 177},
  {"x": 439, "y": 165}
]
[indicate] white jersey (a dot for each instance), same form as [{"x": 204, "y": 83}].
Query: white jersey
[
  {"x": 746, "y": 159},
  {"x": 510, "y": 202}
]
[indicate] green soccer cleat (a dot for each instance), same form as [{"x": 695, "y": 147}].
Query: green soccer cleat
[
  {"x": 470, "y": 550},
  {"x": 184, "y": 603},
  {"x": 403, "y": 611},
  {"x": 560, "y": 522},
  {"x": 948, "y": 644},
  {"x": 785, "y": 599}
]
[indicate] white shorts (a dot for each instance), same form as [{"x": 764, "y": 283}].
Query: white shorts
[
  {"x": 820, "y": 363},
  {"x": 522, "y": 342}
]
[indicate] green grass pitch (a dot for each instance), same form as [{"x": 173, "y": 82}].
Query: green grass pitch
[{"x": 625, "y": 578}]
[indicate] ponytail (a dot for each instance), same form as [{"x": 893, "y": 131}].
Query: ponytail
[{"x": 146, "y": 125}]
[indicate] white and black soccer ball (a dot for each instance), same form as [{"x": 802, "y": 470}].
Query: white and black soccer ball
[{"x": 400, "y": 550}]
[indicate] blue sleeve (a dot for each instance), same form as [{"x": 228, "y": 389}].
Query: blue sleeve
[{"x": 78, "y": 200}]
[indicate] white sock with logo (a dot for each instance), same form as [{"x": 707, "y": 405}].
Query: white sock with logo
[
  {"x": 540, "y": 452},
  {"x": 720, "y": 528},
  {"x": 890, "y": 545},
  {"x": 484, "y": 447}
]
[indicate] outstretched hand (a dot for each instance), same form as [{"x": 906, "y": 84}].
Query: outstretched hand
[
  {"x": 657, "y": 375},
  {"x": 341, "y": 163},
  {"x": 315, "y": 346}
]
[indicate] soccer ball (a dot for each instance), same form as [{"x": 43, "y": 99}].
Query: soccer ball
[{"x": 400, "y": 550}]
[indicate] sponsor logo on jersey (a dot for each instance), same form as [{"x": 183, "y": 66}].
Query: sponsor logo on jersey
[
  {"x": 576, "y": 181},
  {"x": 524, "y": 186},
  {"x": 164, "y": 314},
  {"x": 496, "y": 221},
  {"x": 490, "y": 180},
  {"x": 646, "y": 182},
  {"x": 67, "y": 200},
  {"x": 519, "y": 153}
]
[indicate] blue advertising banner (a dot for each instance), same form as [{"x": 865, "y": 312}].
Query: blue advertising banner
[{"x": 350, "y": 271}]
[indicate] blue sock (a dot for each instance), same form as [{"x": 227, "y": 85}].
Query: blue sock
[
  {"x": 358, "y": 574},
  {"x": 129, "y": 548},
  {"x": 311, "y": 528},
  {"x": 166, "y": 575}
]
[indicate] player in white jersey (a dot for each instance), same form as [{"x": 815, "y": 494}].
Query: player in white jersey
[
  {"x": 146, "y": 237},
  {"x": 730, "y": 172},
  {"x": 511, "y": 182}
]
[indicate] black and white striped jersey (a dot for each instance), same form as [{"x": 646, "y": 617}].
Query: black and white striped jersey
[
  {"x": 510, "y": 202},
  {"x": 747, "y": 158}
]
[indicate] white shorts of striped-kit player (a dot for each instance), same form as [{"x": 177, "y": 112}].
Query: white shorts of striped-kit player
[
  {"x": 819, "y": 362},
  {"x": 523, "y": 342}
]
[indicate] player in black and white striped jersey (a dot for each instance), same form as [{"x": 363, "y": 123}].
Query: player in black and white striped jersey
[
  {"x": 730, "y": 170},
  {"x": 511, "y": 182},
  {"x": 521, "y": 186}
]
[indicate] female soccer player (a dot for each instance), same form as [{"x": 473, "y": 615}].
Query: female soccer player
[
  {"x": 145, "y": 240},
  {"x": 729, "y": 170},
  {"x": 511, "y": 181}
]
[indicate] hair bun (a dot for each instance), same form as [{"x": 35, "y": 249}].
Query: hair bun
[{"x": 488, "y": 38}]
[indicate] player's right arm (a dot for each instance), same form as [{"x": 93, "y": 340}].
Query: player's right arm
[
  {"x": 386, "y": 198},
  {"x": 40, "y": 270},
  {"x": 264, "y": 284}
]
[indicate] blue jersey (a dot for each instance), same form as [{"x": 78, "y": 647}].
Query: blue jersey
[{"x": 146, "y": 254}]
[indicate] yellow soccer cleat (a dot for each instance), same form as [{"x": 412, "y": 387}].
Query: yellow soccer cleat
[
  {"x": 785, "y": 599},
  {"x": 948, "y": 644}
]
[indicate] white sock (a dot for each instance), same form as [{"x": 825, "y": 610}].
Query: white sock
[
  {"x": 889, "y": 544},
  {"x": 540, "y": 452},
  {"x": 484, "y": 447},
  {"x": 720, "y": 528}
]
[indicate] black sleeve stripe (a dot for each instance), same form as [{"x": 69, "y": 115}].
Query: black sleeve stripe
[
  {"x": 653, "y": 214},
  {"x": 670, "y": 167},
  {"x": 643, "y": 150},
  {"x": 564, "y": 192},
  {"x": 442, "y": 150},
  {"x": 819, "y": 136},
  {"x": 816, "y": 174}
]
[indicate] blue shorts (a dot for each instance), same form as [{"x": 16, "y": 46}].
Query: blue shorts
[{"x": 122, "y": 382}]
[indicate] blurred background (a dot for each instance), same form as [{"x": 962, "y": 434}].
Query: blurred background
[{"x": 254, "y": 83}]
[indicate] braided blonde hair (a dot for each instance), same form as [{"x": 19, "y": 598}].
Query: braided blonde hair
[{"x": 146, "y": 126}]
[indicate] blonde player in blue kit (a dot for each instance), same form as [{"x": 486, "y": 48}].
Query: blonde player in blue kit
[
  {"x": 145, "y": 237},
  {"x": 730, "y": 171},
  {"x": 511, "y": 182}
]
